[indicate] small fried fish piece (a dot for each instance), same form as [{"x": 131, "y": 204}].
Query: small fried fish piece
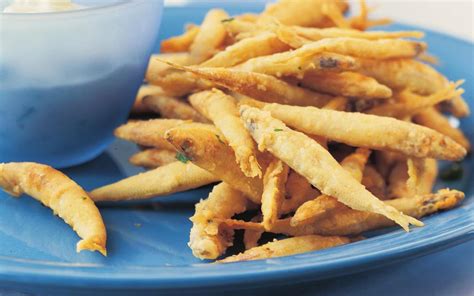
[
  {"x": 298, "y": 191},
  {"x": 164, "y": 180},
  {"x": 386, "y": 160},
  {"x": 178, "y": 83},
  {"x": 222, "y": 110},
  {"x": 145, "y": 90},
  {"x": 251, "y": 236},
  {"x": 262, "y": 44},
  {"x": 157, "y": 69},
  {"x": 415, "y": 169},
  {"x": 347, "y": 84},
  {"x": 210, "y": 37},
  {"x": 312, "y": 161},
  {"x": 153, "y": 158},
  {"x": 370, "y": 131},
  {"x": 237, "y": 26},
  {"x": 206, "y": 147},
  {"x": 408, "y": 103},
  {"x": 208, "y": 240},
  {"x": 180, "y": 43},
  {"x": 431, "y": 118},
  {"x": 314, "y": 209},
  {"x": 307, "y": 13},
  {"x": 316, "y": 34},
  {"x": 374, "y": 182},
  {"x": 273, "y": 191},
  {"x": 56, "y": 191},
  {"x": 173, "y": 108},
  {"x": 260, "y": 86},
  {"x": 397, "y": 180},
  {"x": 421, "y": 175},
  {"x": 399, "y": 74},
  {"x": 332, "y": 11},
  {"x": 148, "y": 133},
  {"x": 173, "y": 82},
  {"x": 289, "y": 62},
  {"x": 288, "y": 246},
  {"x": 350, "y": 222}
]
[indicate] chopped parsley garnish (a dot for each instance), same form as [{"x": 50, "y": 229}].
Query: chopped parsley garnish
[
  {"x": 452, "y": 173},
  {"x": 181, "y": 157},
  {"x": 278, "y": 130},
  {"x": 84, "y": 198},
  {"x": 219, "y": 138},
  {"x": 227, "y": 20}
]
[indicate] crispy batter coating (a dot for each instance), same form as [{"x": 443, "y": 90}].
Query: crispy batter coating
[
  {"x": 181, "y": 42},
  {"x": 370, "y": 131},
  {"x": 348, "y": 84},
  {"x": 149, "y": 133},
  {"x": 312, "y": 161},
  {"x": 288, "y": 63},
  {"x": 374, "y": 182},
  {"x": 209, "y": 240},
  {"x": 281, "y": 63},
  {"x": 162, "y": 181},
  {"x": 424, "y": 173},
  {"x": 210, "y": 37},
  {"x": 56, "y": 191},
  {"x": 153, "y": 158},
  {"x": 273, "y": 191},
  {"x": 408, "y": 103},
  {"x": 251, "y": 237},
  {"x": 260, "y": 86},
  {"x": 298, "y": 191},
  {"x": 431, "y": 118},
  {"x": 173, "y": 82},
  {"x": 222, "y": 110},
  {"x": 145, "y": 90},
  {"x": 316, "y": 34},
  {"x": 399, "y": 74},
  {"x": 350, "y": 222},
  {"x": 307, "y": 13},
  {"x": 289, "y": 246},
  {"x": 314, "y": 209},
  {"x": 262, "y": 44},
  {"x": 206, "y": 147},
  {"x": 397, "y": 180},
  {"x": 170, "y": 107}
]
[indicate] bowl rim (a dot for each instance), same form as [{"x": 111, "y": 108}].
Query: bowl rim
[{"x": 118, "y": 5}]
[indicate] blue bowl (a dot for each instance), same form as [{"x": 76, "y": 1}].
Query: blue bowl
[{"x": 67, "y": 79}]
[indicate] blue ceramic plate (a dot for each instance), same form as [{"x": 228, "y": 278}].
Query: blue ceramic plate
[{"x": 147, "y": 241}]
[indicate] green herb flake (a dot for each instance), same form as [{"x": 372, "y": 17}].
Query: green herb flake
[
  {"x": 181, "y": 157},
  {"x": 137, "y": 225},
  {"x": 227, "y": 20},
  {"x": 219, "y": 138},
  {"x": 278, "y": 130},
  {"x": 84, "y": 198},
  {"x": 453, "y": 172}
]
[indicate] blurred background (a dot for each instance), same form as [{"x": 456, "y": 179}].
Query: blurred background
[{"x": 453, "y": 17}]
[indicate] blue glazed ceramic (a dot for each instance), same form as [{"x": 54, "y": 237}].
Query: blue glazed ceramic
[
  {"x": 67, "y": 79},
  {"x": 147, "y": 240}
]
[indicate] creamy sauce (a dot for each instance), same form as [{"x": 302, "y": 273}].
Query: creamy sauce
[{"x": 38, "y": 6}]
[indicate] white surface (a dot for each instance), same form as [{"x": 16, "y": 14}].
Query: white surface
[{"x": 452, "y": 17}]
